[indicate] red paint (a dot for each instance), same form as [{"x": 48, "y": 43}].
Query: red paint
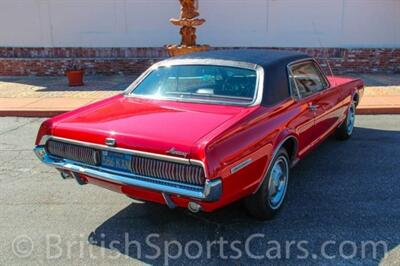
[{"x": 220, "y": 136}]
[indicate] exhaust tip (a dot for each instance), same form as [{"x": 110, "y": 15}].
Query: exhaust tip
[
  {"x": 168, "y": 201},
  {"x": 66, "y": 175},
  {"x": 194, "y": 207},
  {"x": 79, "y": 179}
]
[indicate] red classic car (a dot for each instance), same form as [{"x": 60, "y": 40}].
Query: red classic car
[{"x": 204, "y": 130}]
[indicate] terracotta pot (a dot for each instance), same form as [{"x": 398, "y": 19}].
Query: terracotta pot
[{"x": 75, "y": 77}]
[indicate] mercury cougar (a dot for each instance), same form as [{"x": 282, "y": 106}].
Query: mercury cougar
[{"x": 204, "y": 130}]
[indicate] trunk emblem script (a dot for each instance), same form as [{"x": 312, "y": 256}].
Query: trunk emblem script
[
  {"x": 110, "y": 142},
  {"x": 173, "y": 151}
]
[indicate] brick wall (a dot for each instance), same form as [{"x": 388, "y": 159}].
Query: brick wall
[{"x": 54, "y": 61}]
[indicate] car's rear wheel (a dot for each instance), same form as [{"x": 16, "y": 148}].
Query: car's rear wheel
[
  {"x": 347, "y": 127},
  {"x": 269, "y": 198}
]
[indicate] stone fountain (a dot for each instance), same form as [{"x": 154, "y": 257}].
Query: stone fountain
[{"x": 188, "y": 22}]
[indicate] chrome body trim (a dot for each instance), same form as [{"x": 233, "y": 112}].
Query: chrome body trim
[
  {"x": 241, "y": 165},
  {"x": 257, "y": 98},
  {"x": 44, "y": 140},
  {"x": 126, "y": 151},
  {"x": 110, "y": 142},
  {"x": 73, "y": 152},
  {"x": 211, "y": 191}
]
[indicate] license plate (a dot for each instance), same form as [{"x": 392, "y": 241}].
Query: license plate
[{"x": 116, "y": 161}]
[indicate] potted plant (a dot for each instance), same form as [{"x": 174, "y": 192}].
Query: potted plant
[{"x": 74, "y": 74}]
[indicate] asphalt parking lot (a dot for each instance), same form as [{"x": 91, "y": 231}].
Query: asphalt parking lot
[{"x": 343, "y": 198}]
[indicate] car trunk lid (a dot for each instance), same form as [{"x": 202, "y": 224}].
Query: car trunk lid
[{"x": 157, "y": 126}]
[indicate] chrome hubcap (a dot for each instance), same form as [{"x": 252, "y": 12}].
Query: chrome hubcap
[
  {"x": 351, "y": 117},
  {"x": 278, "y": 182}
]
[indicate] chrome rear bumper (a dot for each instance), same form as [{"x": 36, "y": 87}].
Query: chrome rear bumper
[{"x": 211, "y": 191}]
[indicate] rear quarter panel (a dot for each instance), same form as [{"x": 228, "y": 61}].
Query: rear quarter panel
[
  {"x": 254, "y": 137},
  {"x": 348, "y": 87}
]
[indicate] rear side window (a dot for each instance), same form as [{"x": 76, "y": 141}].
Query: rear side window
[{"x": 306, "y": 79}]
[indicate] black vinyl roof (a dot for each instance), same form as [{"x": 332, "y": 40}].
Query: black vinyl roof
[
  {"x": 262, "y": 57},
  {"x": 274, "y": 62}
]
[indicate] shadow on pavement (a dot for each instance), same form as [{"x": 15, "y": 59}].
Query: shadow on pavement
[{"x": 342, "y": 191}]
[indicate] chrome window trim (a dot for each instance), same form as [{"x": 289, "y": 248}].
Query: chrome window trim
[
  {"x": 173, "y": 159},
  {"x": 290, "y": 76},
  {"x": 257, "y": 98},
  {"x": 318, "y": 67}
]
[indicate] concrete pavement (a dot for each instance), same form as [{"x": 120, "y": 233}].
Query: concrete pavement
[{"x": 343, "y": 196}]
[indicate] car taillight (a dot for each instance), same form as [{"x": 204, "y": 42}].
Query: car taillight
[{"x": 45, "y": 129}]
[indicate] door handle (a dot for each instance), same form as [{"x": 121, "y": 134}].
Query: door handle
[{"x": 313, "y": 107}]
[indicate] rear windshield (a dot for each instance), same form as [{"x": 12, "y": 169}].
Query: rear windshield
[{"x": 200, "y": 83}]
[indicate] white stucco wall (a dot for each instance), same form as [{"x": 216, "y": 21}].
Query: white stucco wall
[{"x": 144, "y": 23}]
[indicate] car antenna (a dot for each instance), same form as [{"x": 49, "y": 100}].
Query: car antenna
[{"x": 326, "y": 59}]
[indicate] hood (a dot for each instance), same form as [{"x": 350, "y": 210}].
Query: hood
[{"x": 147, "y": 125}]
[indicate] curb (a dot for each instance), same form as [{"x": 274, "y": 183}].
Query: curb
[
  {"x": 31, "y": 113},
  {"x": 378, "y": 110},
  {"x": 49, "y": 113}
]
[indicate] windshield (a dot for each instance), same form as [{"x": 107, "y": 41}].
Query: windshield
[{"x": 200, "y": 83}]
